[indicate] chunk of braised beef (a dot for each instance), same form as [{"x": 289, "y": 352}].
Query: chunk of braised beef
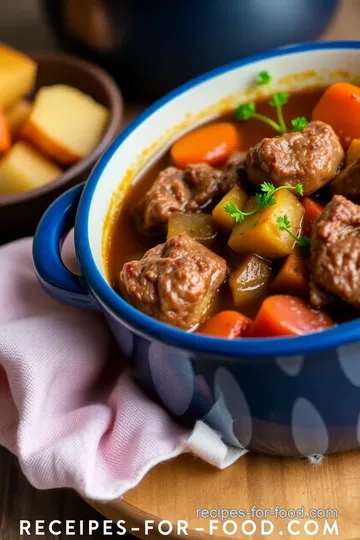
[
  {"x": 234, "y": 171},
  {"x": 335, "y": 254},
  {"x": 347, "y": 182},
  {"x": 169, "y": 193},
  {"x": 318, "y": 297},
  {"x": 205, "y": 183},
  {"x": 311, "y": 157},
  {"x": 190, "y": 190},
  {"x": 174, "y": 282}
]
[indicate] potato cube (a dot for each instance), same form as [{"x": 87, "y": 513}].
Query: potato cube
[
  {"x": 236, "y": 196},
  {"x": 249, "y": 283},
  {"x": 17, "y": 75},
  {"x": 17, "y": 115},
  {"x": 65, "y": 123},
  {"x": 23, "y": 168},
  {"x": 293, "y": 277},
  {"x": 260, "y": 233},
  {"x": 200, "y": 227},
  {"x": 353, "y": 152}
]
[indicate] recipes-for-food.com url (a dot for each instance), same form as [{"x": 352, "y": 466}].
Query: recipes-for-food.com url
[{"x": 222, "y": 514}]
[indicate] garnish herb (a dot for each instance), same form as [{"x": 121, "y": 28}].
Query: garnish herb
[
  {"x": 285, "y": 225},
  {"x": 278, "y": 100},
  {"x": 263, "y": 77},
  {"x": 237, "y": 215},
  {"x": 264, "y": 200},
  {"x": 246, "y": 111},
  {"x": 299, "y": 123}
]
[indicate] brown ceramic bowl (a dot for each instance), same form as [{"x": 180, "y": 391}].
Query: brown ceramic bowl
[{"x": 20, "y": 213}]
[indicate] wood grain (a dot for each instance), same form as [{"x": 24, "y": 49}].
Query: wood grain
[
  {"x": 19, "y": 500},
  {"x": 175, "y": 490}
]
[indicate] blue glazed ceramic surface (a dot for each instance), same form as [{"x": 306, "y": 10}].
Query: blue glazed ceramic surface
[{"x": 287, "y": 396}]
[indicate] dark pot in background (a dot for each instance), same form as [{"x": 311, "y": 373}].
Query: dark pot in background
[{"x": 153, "y": 46}]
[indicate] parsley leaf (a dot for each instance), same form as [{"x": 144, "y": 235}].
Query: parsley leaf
[
  {"x": 245, "y": 111},
  {"x": 264, "y": 199},
  {"x": 267, "y": 186},
  {"x": 304, "y": 242},
  {"x": 232, "y": 210},
  {"x": 299, "y": 123},
  {"x": 238, "y": 216},
  {"x": 285, "y": 225},
  {"x": 279, "y": 99},
  {"x": 263, "y": 77}
]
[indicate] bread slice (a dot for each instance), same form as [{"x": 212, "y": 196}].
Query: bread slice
[
  {"x": 17, "y": 115},
  {"x": 5, "y": 134},
  {"x": 65, "y": 123},
  {"x": 17, "y": 75},
  {"x": 24, "y": 168}
]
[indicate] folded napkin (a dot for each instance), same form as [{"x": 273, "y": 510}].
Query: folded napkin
[{"x": 69, "y": 409}]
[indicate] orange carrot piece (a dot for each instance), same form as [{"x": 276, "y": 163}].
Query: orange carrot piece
[
  {"x": 339, "y": 106},
  {"x": 210, "y": 144},
  {"x": 312, "y": 211},
  {"x": 283, "y": 315},
  {"x": 5, "y": 137},
  {"x": 293, "y": 277},
  {"x": 226, "y": 324}
]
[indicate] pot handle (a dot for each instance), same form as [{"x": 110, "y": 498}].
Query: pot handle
[{"x": 53, "y": 275}]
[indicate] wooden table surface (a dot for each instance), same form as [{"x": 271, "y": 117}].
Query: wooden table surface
[
  {"x": 254, "y": 481},
  {"x": 22, "y": 25}
]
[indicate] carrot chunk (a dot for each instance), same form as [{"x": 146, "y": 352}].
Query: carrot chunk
[
  {"x": 210, "y": 144},
  {"x": 226, "y": 324},
  {"x": 283, "y": 315},
  {"x": 339, "y": 106},
  {"x": 293, "y": 277},
  {"x": 5, "y": 137},
  {"x": 312, "y": 211}
]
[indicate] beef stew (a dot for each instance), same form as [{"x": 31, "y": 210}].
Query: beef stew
[{"x": 234, "y": 232}]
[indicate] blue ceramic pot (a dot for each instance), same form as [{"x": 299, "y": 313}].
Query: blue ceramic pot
[
  {"x": 153, "y": 46},
  {"x": 287, "y": 396}
]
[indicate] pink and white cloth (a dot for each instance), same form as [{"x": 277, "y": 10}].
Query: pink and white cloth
[{"x": 68, "y": 409}]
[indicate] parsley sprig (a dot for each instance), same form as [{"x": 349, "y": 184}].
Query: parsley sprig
[
  {"x": 245, "y": 111},
  {"x": 263, "y": 77},
  {"x": 299, "y": 123},
  {"x": 267, "y": 198},
  {"x": 264, "y": 199},
  {"x": 285, "y": 225},
  {"x": 238, "y": 215}
]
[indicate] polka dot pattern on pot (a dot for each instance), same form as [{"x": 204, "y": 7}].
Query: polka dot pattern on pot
[
  {"x": 308, "y": 428},
  {"x": 173, "y": 377},
  {"x": 301, "y": 405}
]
